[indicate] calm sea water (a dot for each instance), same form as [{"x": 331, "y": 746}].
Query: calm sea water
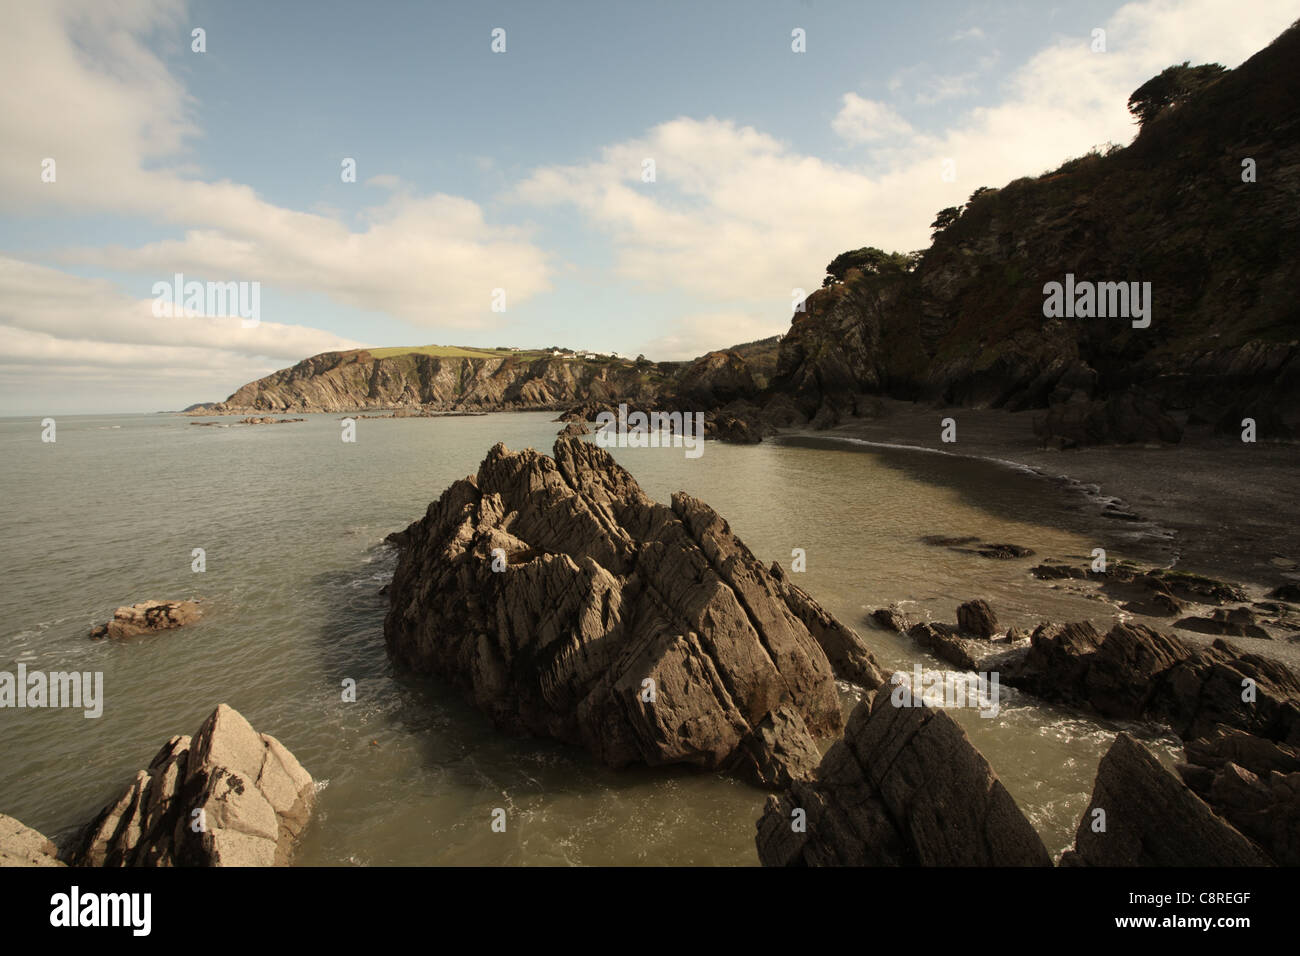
[{"x": 292, "y": 521}]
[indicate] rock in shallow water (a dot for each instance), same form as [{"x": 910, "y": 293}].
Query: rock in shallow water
[
  {"x": 566, "y": 603},
  {"x": 1151, "y": 818},
  {"x": 228, "y": 797},
  {"x": 904, "y": 787},
  {"x": 147, "y": 616}
]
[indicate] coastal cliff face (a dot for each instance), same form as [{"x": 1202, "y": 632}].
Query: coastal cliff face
[
  {"x": 967, "y": 326},
  {"x": 361, "y": 380},
  {"x": 357, "y": 380}
]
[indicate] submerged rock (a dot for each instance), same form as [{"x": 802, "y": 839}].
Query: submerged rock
[
  {"x": 904, "y": 787},
  {"x": 1150, "y": 818},
  {"x": 148, "y": 616},
  {"x": 568, "y": 604},
  {"x": 20, "y": 845},
  {"x": 227, "y": 797}
]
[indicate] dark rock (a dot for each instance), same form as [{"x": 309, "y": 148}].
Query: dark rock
[
  {"x": 1286, "y": 592},
  {"x": 846, "y": 651},
  {"x": 904, "y": 787},
  {"x": 942, "y": 641},
  {"x": 600, "y": 590},
  {"x": 1137, "y": 673},
  {"x": 574, "y": 429},
  {"x": 1153, "y": 819},
  {"x": 976, "y": 617},
  {"x": 891, "y": 619},
  {"x": 1121, "y": 419},
  {"x": 1237, "y": 622}
]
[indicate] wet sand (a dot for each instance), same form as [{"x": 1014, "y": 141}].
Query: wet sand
[{"x": 1231, "y": 509}]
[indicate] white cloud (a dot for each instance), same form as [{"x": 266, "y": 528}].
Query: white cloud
[
  {"x": 739, "y": 217},
  {"x": 83, "y": 85},
  {"x": 862, "y": 121},
  {"x": 690, "y": 336},
  {"x": 86, "y": 332}
]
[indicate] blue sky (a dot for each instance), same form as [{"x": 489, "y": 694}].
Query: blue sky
[{"x": 518, "y": 170}]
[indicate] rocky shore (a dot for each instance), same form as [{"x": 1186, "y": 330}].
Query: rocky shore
[
  {"x": 566, "y": 603},
  {"x": 227, "y": 796}
]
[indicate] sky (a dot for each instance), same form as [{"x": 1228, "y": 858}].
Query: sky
[{"x": 504, "y": 196}]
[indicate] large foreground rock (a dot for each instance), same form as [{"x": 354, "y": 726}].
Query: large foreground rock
[
  {"x": 1151, "y": 818},
  {"x": 228, "y": 797},
  {"x": 904, "y": 787},
  {"x": 20, "y": 845},
  {"x": 566, "y": 603}
]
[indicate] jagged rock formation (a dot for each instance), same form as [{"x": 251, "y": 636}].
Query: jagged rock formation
[
  {"x": 1254, "y": 784},
  {"x": 566, "y": 603},
  {"x": 1134, "y": 672},
  {"x": 1152, "y": 819},
  {"x": 905, "y": 786},
  {"x": 966, "y": 326},
  {"x": 147, "y": 616},
  {"x": 227, "y": 797},
  {"x": 22, "y": 846}
]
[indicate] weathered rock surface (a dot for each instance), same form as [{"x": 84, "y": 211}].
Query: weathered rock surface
[
  {"x": 977, "y": 618},
  {"x": 1135, "y": 672},
  {"x": 943, "y": 641},
  {"x": 1254, "y": 784},
  {"x": 904, "y": 787},
  {"x": 574, "y": 430},
  {"x": 598, "y": 592},
  {"x": 1153, "y": 819},
  {"x": 229, "y": 796},
  {"x": 22, "y": 846},
  {"x": 148, "y": 616}
]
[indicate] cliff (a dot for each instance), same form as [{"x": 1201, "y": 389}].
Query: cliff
[{"x": 966, "y": 326}]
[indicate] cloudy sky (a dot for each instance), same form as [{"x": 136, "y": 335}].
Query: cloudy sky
[{"x": 521, "y": 170}]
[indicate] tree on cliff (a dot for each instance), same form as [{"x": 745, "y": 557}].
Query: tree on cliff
[
  {"x": 945, "y": 219},
  {"x": 869, "y": 260},
  {"x": 1170, "y": 87}
]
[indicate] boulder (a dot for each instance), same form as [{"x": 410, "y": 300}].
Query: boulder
[
  {"x": 574, "y": 429},
  {"x": 943, "y": 642},
  {"x": 904, "y": 787},
  {"x": 22, "y": 846},
  {"x": 566, "y": 603},
  {"x": 976, "y": 617},
  {"x": 1151, "y": 818},
  {"x": 148, "y": 616},
  {"x": 229, "y": 796}
]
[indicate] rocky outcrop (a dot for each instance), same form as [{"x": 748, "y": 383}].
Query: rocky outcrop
[
  {"x": 1254, "y": 784},
  {"x": 22, "y": 846},
  {"x": 147, "y": 617},
  {"x": 1134, "y": 672},
  {"x": 574, "y": 430},
  {"x": 965, "y": 326},
  {"x": 568, "y": 604},
  {"x": 904, "y": 787},
  {"x": 229, "y": 796},
  {"x": 977, "y": 618},
  {"x": 1142, "y": 815}
]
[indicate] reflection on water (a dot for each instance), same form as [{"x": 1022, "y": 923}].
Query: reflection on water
[{"x": 292, "y": 521}]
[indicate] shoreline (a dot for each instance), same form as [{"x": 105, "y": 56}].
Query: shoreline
[{"x": 1230, "y": 508}]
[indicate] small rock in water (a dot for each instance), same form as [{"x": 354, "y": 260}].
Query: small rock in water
[{"x": 135, "y": 619}]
